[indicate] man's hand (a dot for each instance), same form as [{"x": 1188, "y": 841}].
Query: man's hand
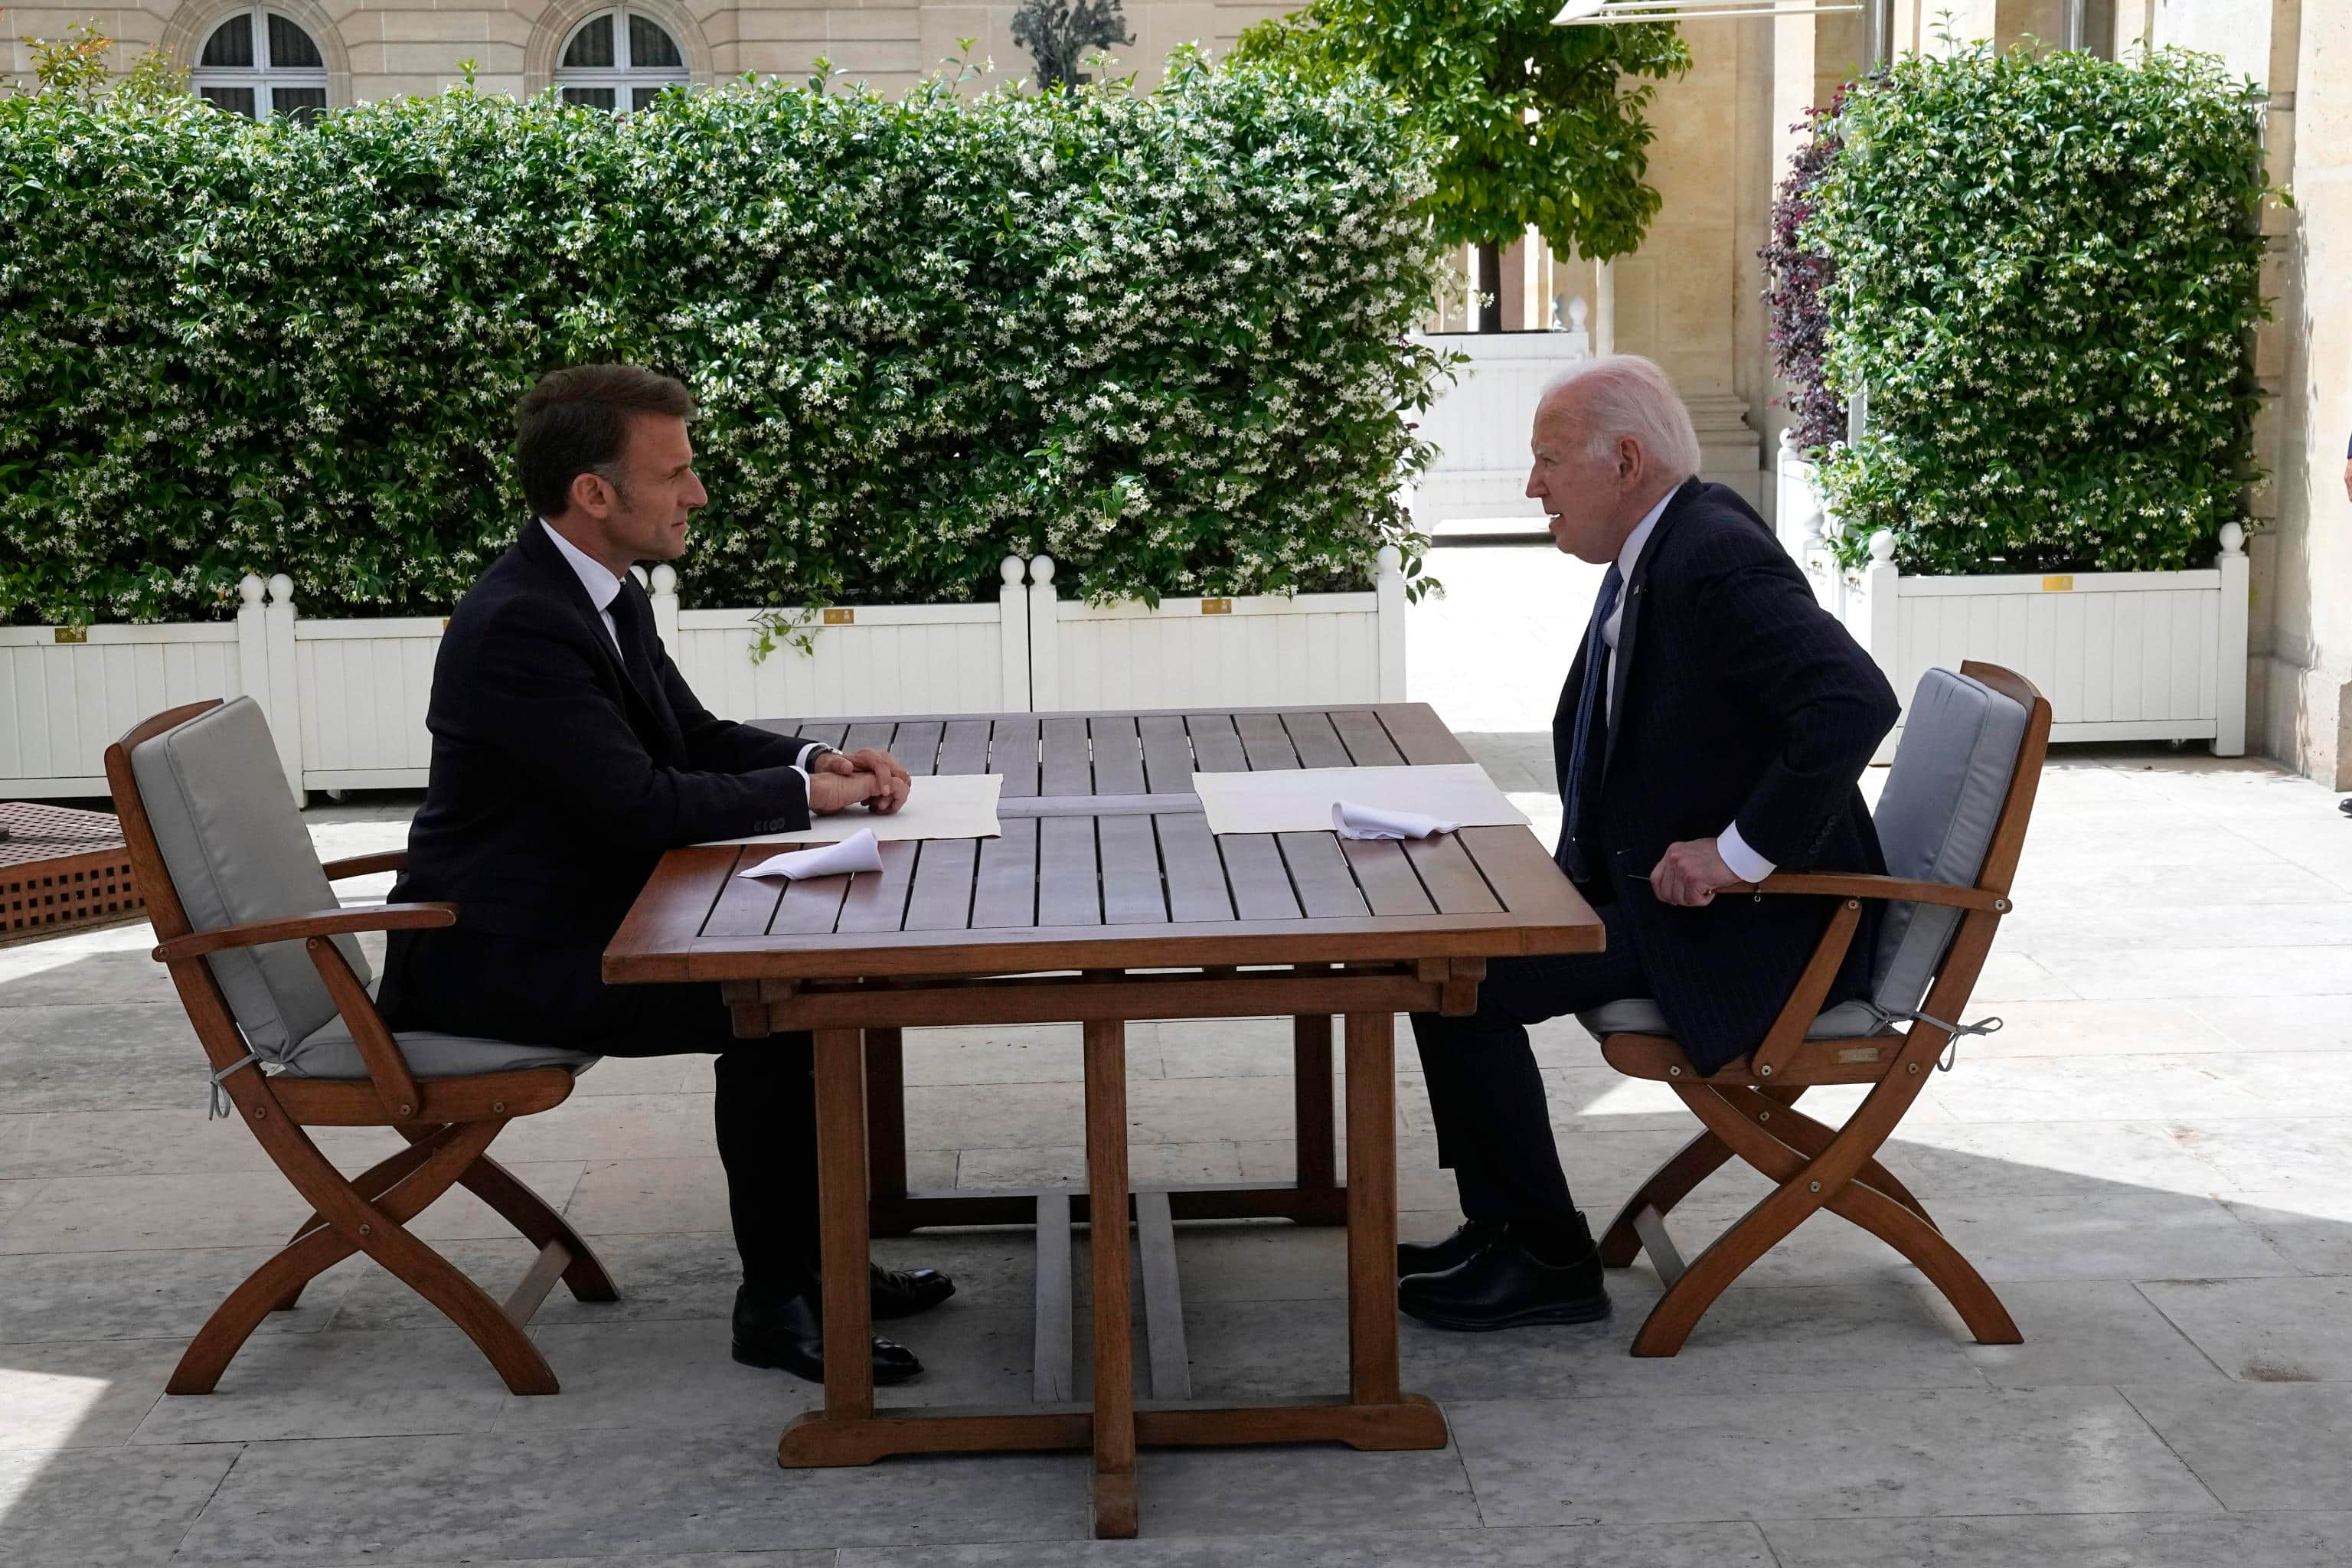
[
  {"x": 891, "y": 782},
  {"x": 1688, "y": 874},
  {"x": 838, "y": 789}
]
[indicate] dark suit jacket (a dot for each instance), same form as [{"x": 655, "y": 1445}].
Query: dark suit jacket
[
  {"x": 558, "y": 780},
  {"x": 1737, "y": 700}
]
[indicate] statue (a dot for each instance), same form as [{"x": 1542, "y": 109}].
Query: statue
[{"x": 1059, "y": 34}]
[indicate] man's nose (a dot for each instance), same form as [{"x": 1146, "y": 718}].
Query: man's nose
[{"x": 1535, "y": 490}]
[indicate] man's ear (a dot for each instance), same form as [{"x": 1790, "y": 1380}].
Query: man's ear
[{"x": 592, "y": 493}]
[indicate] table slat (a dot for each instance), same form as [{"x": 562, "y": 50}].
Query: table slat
[
  {"x": 1012, "y": 752},
  {"x": 1265, "y": 741},
  {"x": 1166, "y": 753},
  {"x": 1420, "y": 735},
  {"x": 1196, "y": 878},
  {"x": 1216, "y": 745},
  {"x": 963, "y": 746},
  {"x": 1318, "y": 871},
  {"x": 917, "y": 747},
  {"x": 878, "y": 735},
  {"x": 1526, "y": 881},
  {"x": 1453, "y": 881},
  {"x": 1004, "y": 896},
  {"x": 879, "y": 902},
  {"x": 1065, "y": 760},
  {"x": 1131, "y": 891},
  {"x": 811, "y": 908},
  {"x": 1368, "y": 743},
  {"x": 745, "y": 904},
  {"x": 1118, "y": 756},
  {"x": 1389, "y": 883},
  {"x": 1315, "y": 739},
  {"x": 1259, "y": 881},
  {"x": 942, "y": 895},
  {"x": 1069, "y": 891}
]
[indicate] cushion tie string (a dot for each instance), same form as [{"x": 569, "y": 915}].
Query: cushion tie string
[
  {"x": 1952, "y": 1032},
  {"x": 220, "y": 1108}
]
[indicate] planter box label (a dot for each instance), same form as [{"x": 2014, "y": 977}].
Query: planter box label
[
  {"x": 2058, "y": 584},
  {"x": 1216, "y": 607},
  {"x": 841, "y": 617}
]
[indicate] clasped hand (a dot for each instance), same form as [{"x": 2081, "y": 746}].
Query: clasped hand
[
  {"x": 839, "y": 780},
  {"x": 1688, "y": 874}
]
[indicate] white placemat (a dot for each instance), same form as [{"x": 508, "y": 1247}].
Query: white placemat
[
  {"x": 1299, "y": 800},
  {"x": 950, "y": 806}
]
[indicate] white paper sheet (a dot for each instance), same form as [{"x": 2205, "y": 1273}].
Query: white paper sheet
[
  {"x": 1300, "y": 800},
  {"x": 1350, "y": 820},
  {"x": 952, "y": 805},
  {"x": 845, "y": 859}
]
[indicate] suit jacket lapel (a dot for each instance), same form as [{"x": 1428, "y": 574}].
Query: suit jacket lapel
[
  {"x": 1629, "y": 624},
  {"x": 535, "y": 544}
]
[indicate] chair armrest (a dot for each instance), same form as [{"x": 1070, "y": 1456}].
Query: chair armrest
[
  {"x": 295, "y": 928},
  {"x": 366, "y": 864},
  {"x": 1857, "y": 885}
]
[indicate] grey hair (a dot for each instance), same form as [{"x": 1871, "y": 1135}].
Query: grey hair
[{"x": 1623, "y": 396}]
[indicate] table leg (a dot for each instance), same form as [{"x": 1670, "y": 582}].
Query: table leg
[
  {"x": 886, "y": 1113},
  {"x": 1310, "y": 1053},
  {"x": 840, "y": 1185},
  {"x": 1373, "y": 1376},
  {"x": 1114, "y": 1404}
]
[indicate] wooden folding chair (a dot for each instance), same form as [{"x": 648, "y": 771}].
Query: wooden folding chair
[
  {"x": 1951, "y": 821},
  {"x": 272, "y": 978}
]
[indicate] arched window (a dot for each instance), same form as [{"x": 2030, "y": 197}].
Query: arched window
[
  {"x": 257, "y": 63},
  {"x": 619, "y": 60}
]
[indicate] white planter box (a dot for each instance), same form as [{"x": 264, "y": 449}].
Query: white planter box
[
  {"x": 1480, "y": 423},
  {"x": 347, "y": 698},
  {"x": 2122, "y": 656}
]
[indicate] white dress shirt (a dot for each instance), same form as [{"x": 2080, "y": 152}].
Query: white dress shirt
[
  {"x": 603, "y": 588},
  {"x": 1744, "y": 863}
]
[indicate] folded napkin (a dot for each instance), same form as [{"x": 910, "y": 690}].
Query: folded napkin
[
  {"x": 1353, "y": 821},
  {"x": 856, "y": 853}
]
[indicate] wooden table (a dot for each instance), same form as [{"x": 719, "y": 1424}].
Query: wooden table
[{"x": 1108, "y": 900}]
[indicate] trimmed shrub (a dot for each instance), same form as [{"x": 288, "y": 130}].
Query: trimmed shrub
[
  {"x": 1163, "y": 337},
  {"x": 2048, "y": 272}
]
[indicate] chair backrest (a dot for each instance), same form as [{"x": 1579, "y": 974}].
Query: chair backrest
[
  {"x": 232, "y": 843},
  {"x": 1962, "y": 743}
]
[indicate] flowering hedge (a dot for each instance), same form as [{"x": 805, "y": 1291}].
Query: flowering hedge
[
  {"x": 1162, "y": 337},
  {"x": 1797, "y": 280},
  {"x": 2048, "y": 272}
]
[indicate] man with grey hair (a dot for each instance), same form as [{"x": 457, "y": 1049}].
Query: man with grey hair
[{"x": 1714, "y": 728}]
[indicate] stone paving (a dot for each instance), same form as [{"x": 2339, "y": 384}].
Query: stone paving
[{"x": 2149, "y": 1161}]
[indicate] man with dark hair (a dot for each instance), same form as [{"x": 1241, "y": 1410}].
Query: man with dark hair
[{"x": 568, "y": 755}]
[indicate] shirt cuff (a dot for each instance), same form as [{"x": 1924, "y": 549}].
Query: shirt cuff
[
  {"x": 809, "y": 753},
  {"x": 806, "y": 799},
  {"x": 1744, "y": 863}
]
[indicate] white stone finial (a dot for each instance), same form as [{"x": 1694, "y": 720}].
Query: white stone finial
[
  {"x": 2234, "y": 539},
  {"x": 282, "y": 589},
  {"x": 1010, "y": 568},
  {"x": 1882, "y": 545},
  {"x": 1788, "y": 439},
  {"x": 664, "y": 578},
  {"x": 248, "y": 588},
  {"x": 1041, "y": 569},
  {"x": 1390, "y": 558},
  {"x": 1579, "y": 314}
]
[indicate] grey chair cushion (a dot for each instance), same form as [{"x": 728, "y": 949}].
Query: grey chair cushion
[
  {"x": 1640, "y": 1016},
  {"x": 233, "y": 839},
  {"x": 331, "y": 1053},
  {"x": 1936, "y": 819}
]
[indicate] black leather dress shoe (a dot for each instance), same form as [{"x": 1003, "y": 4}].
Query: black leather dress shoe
[
  {"x": 1504, "y": 1286},
  {"x": 1437, "y": 1256},
  {"x": 788, "y": 1333},
  {"x": 903, "y": 1292}
]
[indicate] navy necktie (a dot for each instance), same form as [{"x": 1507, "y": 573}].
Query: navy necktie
[{"x": 1588, "y": 714}]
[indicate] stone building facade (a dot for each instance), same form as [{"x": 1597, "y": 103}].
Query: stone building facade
[{"x": 1689, "y": 298}]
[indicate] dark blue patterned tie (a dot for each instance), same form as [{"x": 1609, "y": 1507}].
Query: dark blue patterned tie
[{"x": 1588, "y": 705}]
